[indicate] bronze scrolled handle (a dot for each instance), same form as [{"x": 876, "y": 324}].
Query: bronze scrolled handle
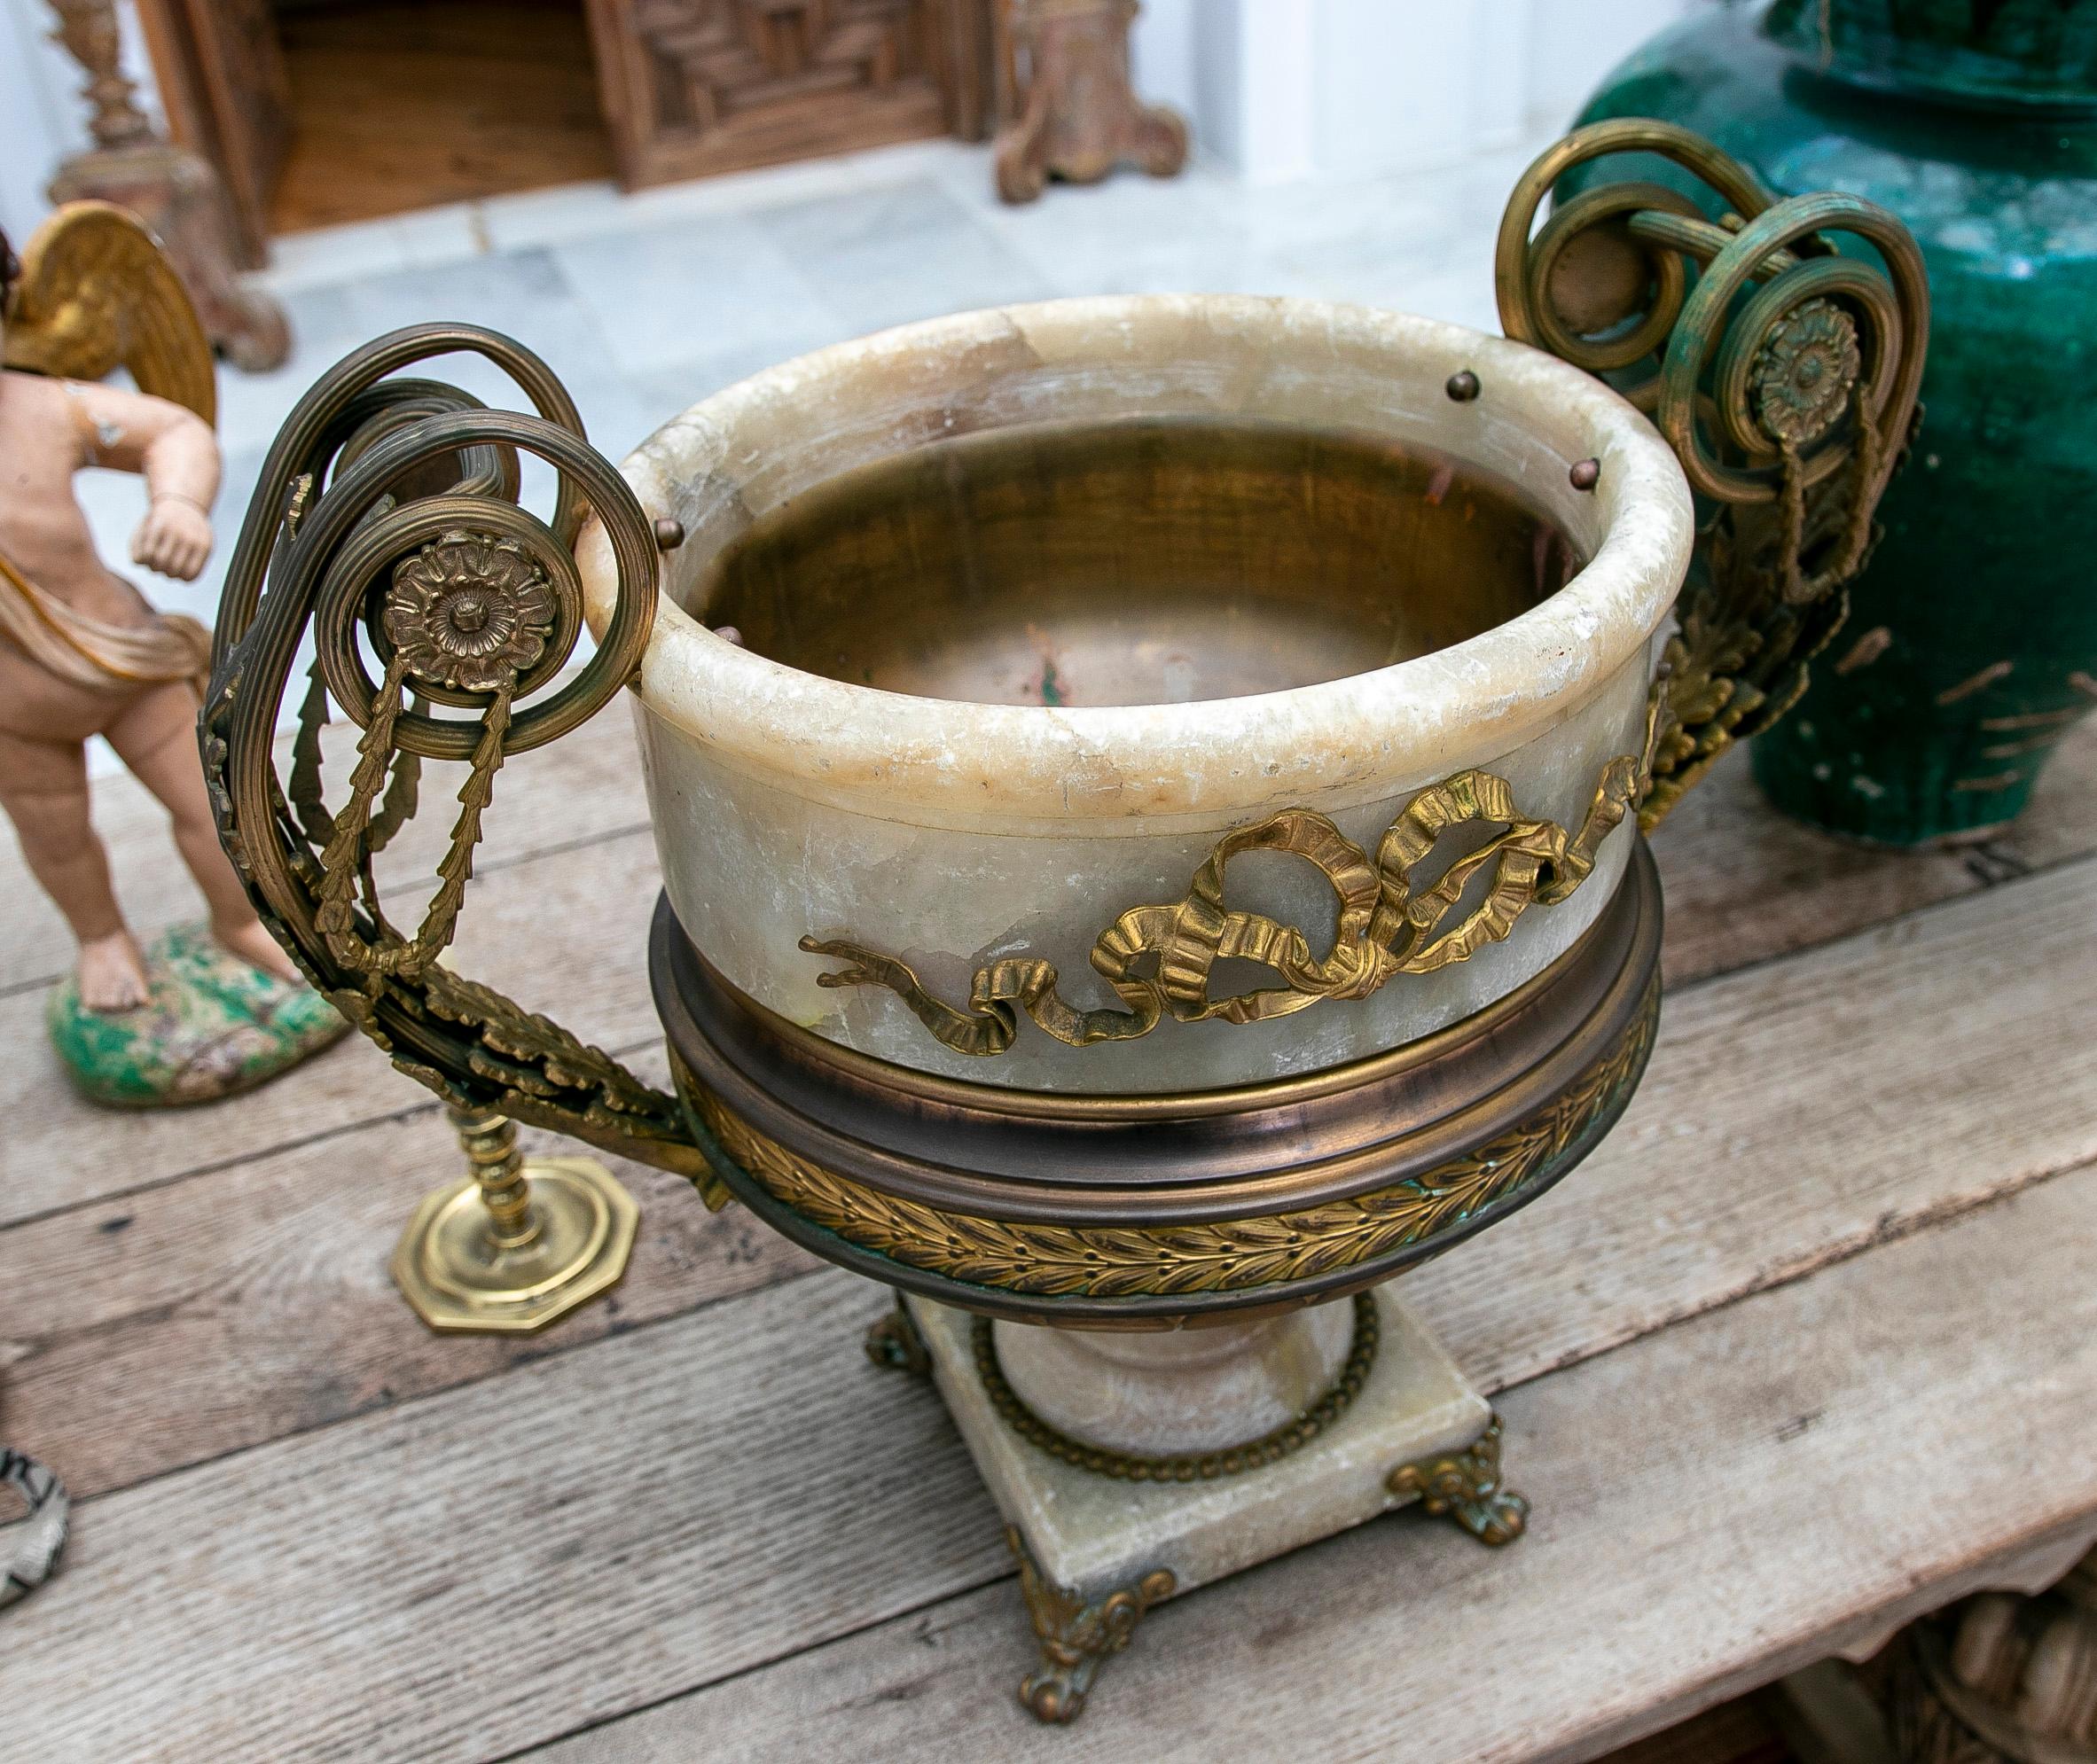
[
  {"x": 1784, "y": 376},
  {"x": 388, "y": 510}
]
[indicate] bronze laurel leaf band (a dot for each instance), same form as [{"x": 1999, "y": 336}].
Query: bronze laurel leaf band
[
  {"x": 1388, "y": 925},
  {"x": 1124, "y": 1261}
]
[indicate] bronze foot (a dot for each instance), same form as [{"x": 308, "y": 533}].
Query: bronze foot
[
  {"x": 893, "y": 1342},
  {"x": 1077, "y": 1637},
  {"x": 1465, "y": 1486}
]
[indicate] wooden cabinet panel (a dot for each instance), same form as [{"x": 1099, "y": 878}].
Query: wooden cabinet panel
[
  {"x": 697, "y": 86},
  {"x": 220, "y": 71}
]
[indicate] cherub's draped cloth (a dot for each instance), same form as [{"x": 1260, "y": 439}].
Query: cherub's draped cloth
[{"x": 89, "y": 653}]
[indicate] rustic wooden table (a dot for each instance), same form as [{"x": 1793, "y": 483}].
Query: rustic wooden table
[{"x": 1808, "y": 1347}]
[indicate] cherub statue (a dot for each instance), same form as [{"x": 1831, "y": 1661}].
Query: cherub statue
[{"x": 81, "y": 653}]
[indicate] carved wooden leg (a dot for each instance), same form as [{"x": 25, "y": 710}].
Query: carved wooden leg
[
  {"x": 1079, "y": 117},
  {"x": 175, "y": 192},
  {"x": 2002, "y": 1678},
  {"x": 1075, "y": 1636},
  {"x": 1022, "y": 153},
  {"x": 1158, "y": 141},
  {"x": 1465, "y": 1486}
]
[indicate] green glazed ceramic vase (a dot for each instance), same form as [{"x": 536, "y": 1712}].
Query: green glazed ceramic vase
[{"x": 1971, "y": 644}]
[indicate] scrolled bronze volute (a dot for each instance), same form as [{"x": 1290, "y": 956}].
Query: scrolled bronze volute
[
  {"x": 388, "y": 507},
  {"x": 1785, "y": 379}
]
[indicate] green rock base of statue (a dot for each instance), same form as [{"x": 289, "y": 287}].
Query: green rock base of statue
[{"x": 214, "y": 1025}]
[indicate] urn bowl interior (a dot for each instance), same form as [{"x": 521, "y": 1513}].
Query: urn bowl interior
[
  {"x": 1135, "y": 560},
  {"x": 1127, "y": 562}
]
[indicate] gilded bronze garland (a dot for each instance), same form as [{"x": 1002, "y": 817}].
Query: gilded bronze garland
[
  {"x": 1389, "y": 925},
  {"x": 1293, "y": 1435},
  {"x": 1223, "y": 1256}
]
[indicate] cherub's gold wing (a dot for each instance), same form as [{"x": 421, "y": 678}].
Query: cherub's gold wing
[{"x": 97, "y": 292}]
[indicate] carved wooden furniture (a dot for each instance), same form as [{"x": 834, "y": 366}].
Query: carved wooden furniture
[
  {"x": 223, "y": 84},
  {"x": 693, "y": 87},
  {"x": 175, "y": 192},
  {"x": 2003, "y": 1679}
]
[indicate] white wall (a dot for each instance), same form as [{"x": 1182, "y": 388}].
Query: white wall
[
  {"x": 42, "y": 117},
  {"x": 1284, "y": 88}
]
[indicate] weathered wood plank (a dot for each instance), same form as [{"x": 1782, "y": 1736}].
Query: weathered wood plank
[
  {"x": 587, "y": 786},
  {"x": 1796, "y": 1111},
  {"x": 304, "y": 1507},
  {"x": 564, "y": 933},
  {"x": 713, "y": 1489},
  {"x": 205, "y": 1301},
  {"x": 1743, "y": 884},
  {"x": 1716, "y": 1503},
  {"x": 195, "y": 1319}
]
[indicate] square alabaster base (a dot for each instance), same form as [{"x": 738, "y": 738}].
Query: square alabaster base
[{"x": 1096, "y": 1550}]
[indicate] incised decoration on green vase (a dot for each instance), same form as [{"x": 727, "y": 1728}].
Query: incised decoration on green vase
[{"x": 1972, "y": 645}]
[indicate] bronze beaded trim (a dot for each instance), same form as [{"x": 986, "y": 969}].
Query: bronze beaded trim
[{"x": 1207, "y": 1466}]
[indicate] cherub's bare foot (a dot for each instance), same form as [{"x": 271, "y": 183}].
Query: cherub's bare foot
[
  {"x": 252, "y": 944},
  {"x": 112, "y": 975}
]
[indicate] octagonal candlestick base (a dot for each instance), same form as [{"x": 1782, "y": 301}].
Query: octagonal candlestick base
[{"x": 519, "y": 1242}]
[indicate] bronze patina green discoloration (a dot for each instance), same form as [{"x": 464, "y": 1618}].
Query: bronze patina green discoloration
[
  {"x": 214, "y": 1025},
  {"x": 1971, "y": 644}
]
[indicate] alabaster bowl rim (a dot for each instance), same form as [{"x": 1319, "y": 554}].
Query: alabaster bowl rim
[{"x": 1534, "y": 419}]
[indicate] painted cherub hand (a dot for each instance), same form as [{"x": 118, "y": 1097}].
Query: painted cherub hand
[{"x": 174, "y": 539}]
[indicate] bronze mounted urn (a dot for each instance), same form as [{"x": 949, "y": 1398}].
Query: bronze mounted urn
[{"x": 1313, "y": 674}]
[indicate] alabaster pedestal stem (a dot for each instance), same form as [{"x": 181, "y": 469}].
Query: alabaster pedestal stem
[{"x": 1177, "y": 1392}]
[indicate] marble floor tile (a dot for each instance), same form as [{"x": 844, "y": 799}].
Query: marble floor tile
[
  {"x": 1132, "y": 235},
  {"x": 333, "y": 255},
  {"x": 690, "y": 290},
  {"x": 524, "y": 295},
  {"x": 888, "y": 255},
  {"x": 669, "y": 389},
  {"x": 253, "y": 407}
]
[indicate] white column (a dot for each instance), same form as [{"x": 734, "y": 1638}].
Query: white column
[
  {"x": 1287, "y": 89},
  {"x": 1572, "y": 44},
  {"x": 1242, "y": 70},
  {"x": 37, "y": 124}
]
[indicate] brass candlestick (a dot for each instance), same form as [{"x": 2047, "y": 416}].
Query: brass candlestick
[{"x": 518, "y": 1242}]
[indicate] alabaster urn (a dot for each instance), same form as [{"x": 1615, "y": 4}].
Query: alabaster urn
[{"x": 1149, "y": 794}]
